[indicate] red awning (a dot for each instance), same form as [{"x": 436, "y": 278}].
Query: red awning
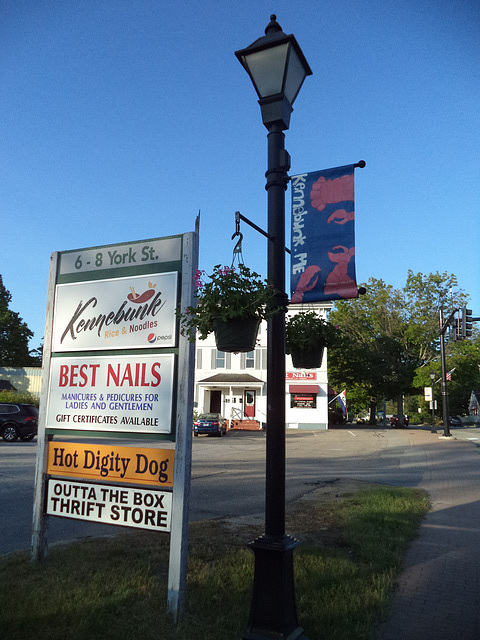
[{"x": 304, "y": 388}]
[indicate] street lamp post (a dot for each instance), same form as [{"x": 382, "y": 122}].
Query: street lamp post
[
  {"x": 432, "y": 378},
  {"x": 277, "y": 68}
]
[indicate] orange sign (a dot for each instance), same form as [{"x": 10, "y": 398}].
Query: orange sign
[{"x": 118, "y": 464}]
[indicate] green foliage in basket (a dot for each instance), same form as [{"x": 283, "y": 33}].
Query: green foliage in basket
[
  {"x": 306, "y": 331},
  {"x": 230, "y": 292}
]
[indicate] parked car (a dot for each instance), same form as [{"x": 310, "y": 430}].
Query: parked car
[
  {"x": 455, "y": 421},
  {"x": 18, "y": 421},
  {"x": 394, "y": 421},
  {"x": 210, "y": 423}
]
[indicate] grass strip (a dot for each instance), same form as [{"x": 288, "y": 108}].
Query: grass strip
[{"x": 116, "y": 588}]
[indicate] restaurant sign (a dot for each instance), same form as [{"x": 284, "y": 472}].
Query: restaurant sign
[{"x": 118, "y": 313}]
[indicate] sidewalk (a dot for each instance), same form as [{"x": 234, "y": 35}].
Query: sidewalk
[{"x": 437, "y": 596}]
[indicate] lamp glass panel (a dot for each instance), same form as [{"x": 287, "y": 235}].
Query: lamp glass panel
[
  {"x": 267, "y": 69},
  {"x": 295, "y": 76}
]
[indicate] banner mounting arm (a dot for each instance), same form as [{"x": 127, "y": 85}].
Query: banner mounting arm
[{"x": 239, "y": 216}]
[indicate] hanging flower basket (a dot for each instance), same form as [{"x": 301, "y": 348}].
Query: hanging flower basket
[
  {"x": 306, "y": 336},
  {"x": 236, "y": 335},
  {"x": 232, "y": 294},
  {"x": 307, "y": 358}
]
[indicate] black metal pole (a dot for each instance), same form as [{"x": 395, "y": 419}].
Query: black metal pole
[
  {"x": 446, "y": 420},
  {"x": 433, "y": 407},
  {"x": 273, "y": 613},
  {"x": 276, "y": 185}
]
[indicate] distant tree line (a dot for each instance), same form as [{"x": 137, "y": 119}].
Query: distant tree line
[
  {"x": 389, "y": 342},
  {"x": 15, "y": 336}
]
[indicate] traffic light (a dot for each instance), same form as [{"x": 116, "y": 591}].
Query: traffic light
[{"x": 466, "y": 329}]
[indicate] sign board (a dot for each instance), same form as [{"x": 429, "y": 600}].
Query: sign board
[
  {"x": 427, "y": 393},
  {"x": 130, "y": 255},
  {"x": 110, "y": 462},
  {"x": 300, "y": 375},
  {"x": 109, "y": 504},
  {"x": 112, "y": 393},
  {"x": 115, "y": 364},
  {"x": 117, "y": 313},
  {"x": 303, "y": 401},
  {"x": 114, "y": 338}
]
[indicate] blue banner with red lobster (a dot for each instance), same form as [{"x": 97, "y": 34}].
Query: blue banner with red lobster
[{"x": 323, "y": 236}]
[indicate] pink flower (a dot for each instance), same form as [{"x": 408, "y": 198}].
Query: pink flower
[{"x": 197, "y": 278}]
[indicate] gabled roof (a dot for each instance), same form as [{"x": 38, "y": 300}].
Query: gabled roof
[{"x": 232, "y": 378}]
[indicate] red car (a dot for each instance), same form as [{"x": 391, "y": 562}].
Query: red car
[{"x": 394, "y": 421}]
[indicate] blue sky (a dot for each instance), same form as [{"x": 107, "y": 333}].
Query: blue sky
[{"x": 121, "y": 119}]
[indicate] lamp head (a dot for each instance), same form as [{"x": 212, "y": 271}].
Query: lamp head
[{"x": 277, "y": 68}]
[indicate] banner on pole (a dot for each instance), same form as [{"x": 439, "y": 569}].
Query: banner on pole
[{"x": 323, "y": 236}]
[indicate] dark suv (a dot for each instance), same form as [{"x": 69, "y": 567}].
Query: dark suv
[{"x": 18, "y": 421}]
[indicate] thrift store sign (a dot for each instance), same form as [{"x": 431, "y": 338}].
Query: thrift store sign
[{"x": 125, "y": 506}]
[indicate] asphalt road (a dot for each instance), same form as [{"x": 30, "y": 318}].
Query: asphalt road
[{"x": 228, "y": 475}]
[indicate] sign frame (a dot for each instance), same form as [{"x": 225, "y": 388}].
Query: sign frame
[{"x": 161, "y": 255}]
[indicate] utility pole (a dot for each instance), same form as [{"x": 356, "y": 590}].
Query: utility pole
[{"x": 443, "y": 327}]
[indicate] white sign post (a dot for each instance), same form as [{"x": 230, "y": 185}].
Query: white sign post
[{"x": 115, "y": 365}]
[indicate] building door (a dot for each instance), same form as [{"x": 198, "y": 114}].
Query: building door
[
  {"x": 215, "y": 402},
  {"x": 249, "y": 404}
]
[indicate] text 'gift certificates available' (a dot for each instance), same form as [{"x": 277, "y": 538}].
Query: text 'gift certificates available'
[{"x": 119, "y": 313}]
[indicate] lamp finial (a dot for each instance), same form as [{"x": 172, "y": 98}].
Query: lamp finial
[{"x": 272, "y": 25}]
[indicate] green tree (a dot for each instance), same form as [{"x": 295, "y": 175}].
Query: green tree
[
  {"x": 14, "y": 335},
  {"x": 387, "y": 334},
  {"x": 464, "y": 359}
]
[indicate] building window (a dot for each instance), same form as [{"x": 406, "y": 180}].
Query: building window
[
  {"x": 250, "y": 360},
  {"x": 303, "y": 400},
  {"x": 221, "y": 360}
]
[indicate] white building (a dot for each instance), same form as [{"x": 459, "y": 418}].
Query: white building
[{"x": 235, "y": 385}]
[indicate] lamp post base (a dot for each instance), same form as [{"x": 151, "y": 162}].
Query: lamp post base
[{"x": 273, "y": 611}]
